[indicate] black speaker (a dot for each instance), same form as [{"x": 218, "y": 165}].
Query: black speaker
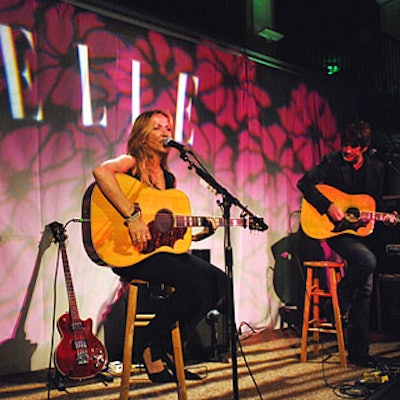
[
  {"x": 114, "y": 327},
  {"x": 209, "y": 341},
  {"x": 114, "y": 324},
  {"x": 389, "y": 287}
]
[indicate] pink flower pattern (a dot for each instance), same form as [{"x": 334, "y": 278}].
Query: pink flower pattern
[{"x": 252, "y": 141}]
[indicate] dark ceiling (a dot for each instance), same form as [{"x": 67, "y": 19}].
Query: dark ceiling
[
  {"x": 360, "y": 37},
  {"x": 350, "y": 36},
  {"x": 313, "y": 30}
]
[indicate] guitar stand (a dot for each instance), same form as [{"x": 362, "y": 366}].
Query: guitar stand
[{"x": 61, "y": 382}]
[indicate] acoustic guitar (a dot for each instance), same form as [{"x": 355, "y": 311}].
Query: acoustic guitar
[
  {"x": 166, "y": 212},
  {"x": 80, "y": 354},
  {"x": 359, "y": 220}
]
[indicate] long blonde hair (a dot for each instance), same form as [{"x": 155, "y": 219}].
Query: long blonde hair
[{"x": 137, "y": 144}]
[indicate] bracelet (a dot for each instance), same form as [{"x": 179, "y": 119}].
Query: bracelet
[{"x": 134, "y": 216}]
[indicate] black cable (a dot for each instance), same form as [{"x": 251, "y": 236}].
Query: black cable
[
  {"x": 49, "y": 378},
  {"x": 247, "y": 364},
  {"x": 351, "y": 391},
  {"x": 344, "y": 390},
  {"x": 244, "y": 323}
]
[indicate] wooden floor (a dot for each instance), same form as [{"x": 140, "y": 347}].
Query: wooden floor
[{"x": 268, "y": 368}]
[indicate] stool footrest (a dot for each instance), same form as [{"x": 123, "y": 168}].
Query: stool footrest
[
  {"x": 324, "y": 264},
  {"x": 320, "y": 293},
  {"x": 142, "y": 317},
  {"x": 321, "y": 324},
  {"x": 322, "y": 330}
]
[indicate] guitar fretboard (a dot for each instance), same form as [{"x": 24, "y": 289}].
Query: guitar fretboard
[
  {"x": 182, "y": 221},
  {"x": 73, "y": 308},
  {"x": 376, "y": 216}
]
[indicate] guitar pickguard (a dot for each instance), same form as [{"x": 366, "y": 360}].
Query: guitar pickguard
[
  {"x": 160, "y": 236},
  {"x": 345, "y": 225},
  {"x": 351, "y": 221}
]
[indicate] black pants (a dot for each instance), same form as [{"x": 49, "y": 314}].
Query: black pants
[
  {"x": 199, "y": 287},
  {"x": 355, "y": 289}
]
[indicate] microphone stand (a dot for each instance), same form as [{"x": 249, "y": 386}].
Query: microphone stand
[{"x": 254, "y": 221}]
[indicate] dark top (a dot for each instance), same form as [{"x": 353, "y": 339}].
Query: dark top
[
  {"x": 169, "y": 179},
  {"x": 336, "y": 172}
]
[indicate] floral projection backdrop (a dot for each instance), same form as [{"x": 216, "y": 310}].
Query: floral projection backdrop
[{"x": 71, "y": 83}]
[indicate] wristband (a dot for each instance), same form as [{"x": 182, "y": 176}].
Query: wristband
[{"x": 134, "y": 216}]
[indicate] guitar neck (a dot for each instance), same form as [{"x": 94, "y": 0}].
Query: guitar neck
[
  {"x": 375, "y": 216},
  {"x": 73, "y": 308},
  {"x": 183, "y": 221}
]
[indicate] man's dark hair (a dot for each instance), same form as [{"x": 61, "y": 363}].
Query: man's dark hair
[{"x": 357, "y": 134}]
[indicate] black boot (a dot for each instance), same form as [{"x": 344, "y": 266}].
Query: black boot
[{"x": 358, "y": 333}]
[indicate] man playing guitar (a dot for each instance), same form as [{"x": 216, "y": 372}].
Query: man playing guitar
[{"x": 352, "y": 171}]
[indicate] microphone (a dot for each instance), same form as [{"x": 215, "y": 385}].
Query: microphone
[{"x": 168, "y": 142}]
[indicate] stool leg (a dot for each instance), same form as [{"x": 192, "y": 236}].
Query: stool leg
[
  {"x": 306, "y": 316},
  {"x": 128, "y": 342},
  {"x": 338, "y": 320},
  {"x": 316, "y": 314},
  {"x": 179, "y": 362}
]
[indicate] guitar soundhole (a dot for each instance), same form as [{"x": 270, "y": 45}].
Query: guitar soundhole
[
  {"x": 352, "y": 214},
  {"x": 164, "y": 221}
]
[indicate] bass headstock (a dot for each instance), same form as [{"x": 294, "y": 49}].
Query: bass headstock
[{"x": 58, "y": 231}]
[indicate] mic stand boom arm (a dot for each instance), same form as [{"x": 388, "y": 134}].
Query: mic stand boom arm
[{"x": 256, "y": 222}]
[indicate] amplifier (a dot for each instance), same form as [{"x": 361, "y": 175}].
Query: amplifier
[{"x": 393, "y": 249}]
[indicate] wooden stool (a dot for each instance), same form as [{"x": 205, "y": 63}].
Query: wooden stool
[
  {"x": 312, "y": 296},
  {"x": 133, "y": 319}
]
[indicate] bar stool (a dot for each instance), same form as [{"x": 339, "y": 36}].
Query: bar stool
[
  {"x": 133, "y": 319},
  {"x": 312, "y": 298}
]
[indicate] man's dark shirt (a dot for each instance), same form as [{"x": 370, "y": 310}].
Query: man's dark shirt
[{"x": 336, "y": 172}]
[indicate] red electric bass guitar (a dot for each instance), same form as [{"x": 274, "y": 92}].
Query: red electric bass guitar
[{"x": 79, "y": 354}]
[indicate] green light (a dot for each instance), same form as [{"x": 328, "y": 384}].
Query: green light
[{"x": 332, "y": 69}]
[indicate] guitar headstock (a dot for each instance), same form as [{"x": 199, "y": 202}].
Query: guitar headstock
[
  {"x": 257, "y": 224},
  {"x": 58, "y": 232}
]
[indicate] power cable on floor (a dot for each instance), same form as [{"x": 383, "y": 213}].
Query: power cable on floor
[
  {"x": 345, "y": 390},
  {"x": 247, "y": 364}
]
